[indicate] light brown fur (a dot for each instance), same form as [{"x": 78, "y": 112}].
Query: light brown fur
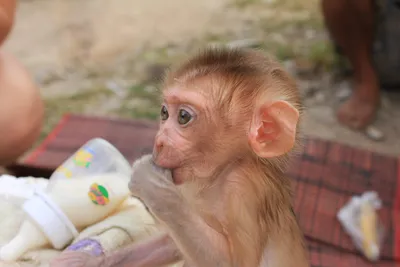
[
  {"x": 227, "y": 200},
  {"x": 259, "y": 189}
]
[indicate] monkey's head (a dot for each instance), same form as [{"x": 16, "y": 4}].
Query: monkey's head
[{"x": 223, "y": 108}]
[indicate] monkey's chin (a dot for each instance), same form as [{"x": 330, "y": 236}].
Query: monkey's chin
[{"x": 176, "y": 178}]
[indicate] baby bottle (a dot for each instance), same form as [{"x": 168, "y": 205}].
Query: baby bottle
[{"x": 85, "y": 189}]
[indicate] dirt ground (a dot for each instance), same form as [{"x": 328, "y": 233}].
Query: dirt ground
[{"x": 93, "y": 52}]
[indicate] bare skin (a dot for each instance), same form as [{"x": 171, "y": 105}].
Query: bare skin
[
  {"x": 216, "y": 181},
  {"x": 351, "y": 25},
  {"x": 21, "y": 108},
  {"x": 7, "y": 14}
]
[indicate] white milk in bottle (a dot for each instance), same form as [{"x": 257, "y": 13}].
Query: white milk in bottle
[{"x": 86, "y": 188}]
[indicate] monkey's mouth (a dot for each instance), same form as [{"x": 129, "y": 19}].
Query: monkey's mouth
[
  {"x": 157, "y": 167},
  {"x": 175, "y": 178}
]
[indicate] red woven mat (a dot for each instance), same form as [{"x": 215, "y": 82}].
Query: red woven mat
[
  {"x": 325, "y": 176},
  {"x": 132, "y": 138}
]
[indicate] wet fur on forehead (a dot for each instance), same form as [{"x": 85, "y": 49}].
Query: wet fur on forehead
[
  {"x": 235, "y": 77},
  {"x": 250, "y": 71}
]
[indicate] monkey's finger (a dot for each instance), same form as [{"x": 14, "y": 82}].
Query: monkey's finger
[
  {"x": 163, "y": 171},
  {"x": 133, "y": 187},
  {"x": 144, "y": 160}
]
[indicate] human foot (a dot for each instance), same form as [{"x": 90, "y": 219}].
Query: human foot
[{"x": 360, "y": 109}]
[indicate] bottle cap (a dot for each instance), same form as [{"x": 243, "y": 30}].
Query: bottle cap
[{"x": 51, "y": 219}]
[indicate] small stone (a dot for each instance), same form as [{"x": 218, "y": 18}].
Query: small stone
[
  {"x": 343, "y": 94},
  {"x": 244, "y": 43},
  {"x": 374, "y": 133},
  {"x": 319, "y": 97},
  {"x": 344, "y": 91}
]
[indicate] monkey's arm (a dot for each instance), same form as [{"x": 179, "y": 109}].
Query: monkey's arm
[
  {"x": 199, "y": 243},
  {"x": 157, "y": 251}
]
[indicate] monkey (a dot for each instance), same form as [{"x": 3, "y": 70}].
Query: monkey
[{"x": 216, "y": 183}]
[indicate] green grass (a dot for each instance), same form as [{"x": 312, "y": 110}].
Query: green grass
[
  {"x": 279, "y": 50},
  {"x": 244, "y": 3},
  {"x": 149, "y": 92},
  {"x": 157, "y": 55},
  {"x": 296, "y": 5},
  {"x": 212, "y": 38},
  {"x": 322, "y": 55},
  {"x": 56, "y": 107},
  {"x": 149, "y": 107}
]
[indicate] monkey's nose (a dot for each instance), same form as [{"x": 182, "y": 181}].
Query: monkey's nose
[{"x": 158, "y": 146}]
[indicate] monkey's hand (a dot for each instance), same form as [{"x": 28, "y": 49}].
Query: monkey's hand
[
  {"x": 76, "y": 259},
  {"x": 154, "y": 186},
  {"x": 200, "y": 244}
]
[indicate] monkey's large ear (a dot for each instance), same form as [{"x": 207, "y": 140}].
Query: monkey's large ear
[{"x": 273, "y": 129}]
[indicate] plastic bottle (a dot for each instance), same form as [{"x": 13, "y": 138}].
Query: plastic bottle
[
  {"x": 95, "y": 157},
  {"x": 97, "y": 185}
]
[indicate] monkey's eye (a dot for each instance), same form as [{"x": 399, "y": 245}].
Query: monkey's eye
[
  {"x": 184, "y": 117},
  {"x": 164, "y": 113}
]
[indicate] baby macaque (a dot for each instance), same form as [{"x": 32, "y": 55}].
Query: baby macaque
[{"x": 215, "y": 181}]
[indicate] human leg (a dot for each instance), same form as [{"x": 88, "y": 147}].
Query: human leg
[
  {"x": 351, "y": 25},
  {"x": 21, "y": 109}
]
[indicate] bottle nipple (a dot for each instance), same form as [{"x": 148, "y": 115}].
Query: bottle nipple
[{"x": 28, "y": 237}]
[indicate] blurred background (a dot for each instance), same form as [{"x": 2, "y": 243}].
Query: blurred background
[{"x": 106, "y": 57}]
